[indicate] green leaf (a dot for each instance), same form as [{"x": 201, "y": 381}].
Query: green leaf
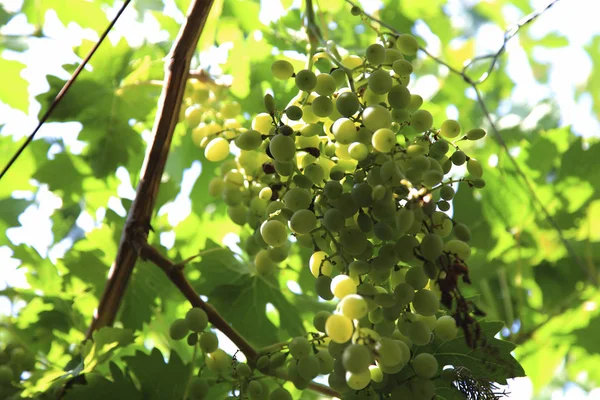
[
  {"x": 15, "y": 88},
  {"x": 159, "y": 380},
  {"x": 121, "y": 386},
  {"x": 105, "y": 341},
  {"x": 86, "y": 14}
]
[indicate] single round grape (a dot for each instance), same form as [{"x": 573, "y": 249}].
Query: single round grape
[
  {"x": 243, "y": 370},
  {"x": 339, "y": 328},
  {"x": 383, "y": 140},
  {"x": 254, "y": 389},
  {"x": 450, "y": 128},
  {"x": 474, "y": 167},
  {"x": 380, "y": 81},
  {"x": 416, "y": 102},
  {"x": 426, "y": 302},
  {"x": 209, "y": 342},
  {"x": 416, "y": 277},
  {"x": 447, "y": 192},
  {"x": 458, "y": 248},
  {"x": 315, "y": 173},
  {"x": 333, "y": 220},
  {"x": 399, "y": 98},
  {"x": 308, "y": 367},
  {"x": 326, "y": 85},
  {"x": 358, "y": 381},
  {"x": 475, "y": 134},
  {"x": 197, "y": 319},
  {"x": 218, "y": 361},
  {"x": 265, "y": 193},
  {"x": 391, "y": 55},
  {"x": 319, "y": 264},
  {"x": 389, "y": 353},
  {"x": 462, "y": 232},
  {"x": 269, "y": 103},
  {"x": 323, "y": 287},
  {"x": 282, "y": 147},
  {"x": 402, "y": 67},
  {"x": 344, "y": 131},
  {"x": 419, "y": 333},
  {"x": 431, "y": 246},
  {"x": 376, "y": 117},
  {"x": 274, "y": 233},
  {"x": 326, "y": 362},
  {"x": 362, "y": 194},
  {"x": 217, "y": 150},
  {"x": 300, "y": 347},
  {"x": 342, "y": 286},
  {"x": 445, "y": 328},
  {"x": 322, "y": 106},
  {"x": 404, "y": 293},
  {"x": 303, "y": 222},
  {"x": 357, "y": 358},
  {"x": 294, "y": 113},
  {"x": 432, "y": 178},
  {"x": 263, "y": 263},
  {"x": 439, "y": 149},
  {"x": 407, "y": 44},
  {"x": 375, "y": 54},
  {"x": 179, "y": 329},
  {"x": 249, "y": 140},
  {"x": 282, "y": 69},
  {"x": 458, "y": 158},
  {"x": 297, "y": 199},
  {"x": 354, "y": 306},
  {"x": 198, "y": 388},
  {"x": 405, "y": 247},
  {"x": 422, "y": 389},
  {"x": 358, "y": 151},
  {"x": 306, "y": 80},
  {"x": 478, "y": 183},
  {"x": 353, "y": 240},
  {"x": 347, "y": 104},
  {"x": 280, "y": 394},
  {"x": 421, "y": 120},
  {"x": 320, "y": 319}
]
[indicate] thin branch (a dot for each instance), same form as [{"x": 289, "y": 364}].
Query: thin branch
[
  {"x": 140, "y": 213},
  {"x": 64, "y": 89}
]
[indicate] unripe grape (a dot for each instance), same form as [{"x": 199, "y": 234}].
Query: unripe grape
[
  {"x": 402, "y": 67},
  {"x": 380, "y": 82},
  {"x": 383, "y": 140},
  {"x": 347, "y": 104},
  {"x": 391, "y": 55},
  {"x": 344, "y": 131},
  {"x": 475, "y": 134},
  {"x": 299, "y": 347},
  {"x": 326, "y": 85},
  {"x": 320, "y": 319},
  {"x": 354, "y": 306},
  {"x": 358, "y": 381},
  {"x": 280, "y": 394},
  {"x": 458, "y": 157},
  {"x": 179, "y": 329},
  {"x": 303, "y": 222},
  {"x": 218, "y": 361},
  {"x": 197, "y": 319},
  {"x": 426, "y": 302},
  {"x": 217, "y": 150},
  {"x": 458, "y": 248},
  {"x": 297, "y": 199},
  {"x": 416, "y": 277},
  {"x": 431, "y": 246},
  {"x": 399, "y": 98},
  {"x": 274, "y": 233},
  {"x": 447, "y": 192},
  {"x": 450, "y": 129},
  {"x": 404, "y": 293},
  {"x": 376, "y": 117},
  {"x": 319, "y": 264},
  {"x": 357, "y": 358},
  {"x": 419, "y": 333},
  {"x": 323, "y": 287},
  {"x": 445, "y": 328},
  {"x": 198, "y": 388},
  {"x": 306, "y": 80},
  {"x": 342, "y": 285},
  {"x": 209, "y": 342},
  {"x": 421, "y": 120},
  {"x": 422, "y": 388},
  {"x": 263, "y": 263},
  {"x": 474, "y": 168},
  {"x": 358, "y": 151},
  {"x": 308, "y": 367},
  {"x": 265, "y": 193},
  {"x": 322, "y": 106},
  {"x": 249, "y": 140},
  {"x": 407, "y": 44},
  {"x": 282, "y": 69},
  {"x": 326, "y": 362},
  {"x": 282, "y": 147},
  {"x": 375, "y": 54},
  {"x": 339, "y": 328}
]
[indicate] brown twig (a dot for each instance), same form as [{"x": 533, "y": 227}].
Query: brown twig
[{"x": 138, "y": 219}]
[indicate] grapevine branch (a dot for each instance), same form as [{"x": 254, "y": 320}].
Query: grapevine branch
[
  {"x": 175, "y": 274},
  {"x": 138, "y": 218},
  {"x": 64, "y": 89}
]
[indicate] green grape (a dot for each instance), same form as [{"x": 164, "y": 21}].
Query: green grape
[
  {"x": 358, "y": 151},
  {"x": 345, "y": 203},
  {"x": 376, "y": 117},
  {"x": 416, "y": 277},
  {"x": 344, "y": 131},
  {"x": 339, "y": 328},
  {"x": 300, "y": 347},
  {"x": 263, "y": 362},
  {"x": 333, "y": 220},
  {"x": 405, "y": 247},
  {"x": 447, "y": 192},
  {"x": 357, "y": 358},
  {"x": 308, "y": 367},
  {"x": 399, "y": 98},
  {"x": 340, "y": 77},
  {"x": 362, "y": 194},
  {"x": 364, "y": 222},
  {"x": 426, "y": 302},
  {"x": 306, "y": 80},
  {"x": 389, "y": 353},
  {"x": 326, "y": 85},
  {"x": 475, "y": 134},
  {"x": 458, "y": 248},
  {"x": 294, "y": 113},
  {"x": 269, "y": 103},
  {"x": 274, "y": 233},
  {"x": 407, "y": 44},
  {"x": 445, "y": 328},
  {"x": 419, "y": 333},
  {"x": 243, "y": 370},
  {"x": 391, "y": 55},
  {"x": 303, "y": 222},
  {"x": 450, "y": 129},
  {"x": 209, "y": 342},
  {"x": 404, "y": 220},
  {"x": 462, "y": 232},
  {"x": 376, "y": 373},
  {"x": 425, "y": 365},
  {"x": 380, "y": 81},
  {"x": 265, "y": 193},
  {"x": 297, "y": 199},
  {"x": 280, "y": 394},
  {"x": 383, "y": 231},
  {"x": 353, "y": 240},
  {"x": 432, "y": 178},
  {"x": 383, "y": 140},
  {"x": 198, "y": 388},
  {"x": 402, "y": 67},
  {"x": 193, "y": 116},
  {"x": 402, "y": 392},
  {"x": 431, "y": 246},
  {"x": 216, "y": 186},
  {"x": 326, "y": 362},
  {"x": 315, "y": 173},
  {"x": 347, "y": 104},
  {"x": 338, "y": 382},
  {"x": 342, "y": 286},
  {"x": 358, "y": 381},
  {"x": 320, "y": 319},
  {"x": 197, "y": 319},
  {"x": 278, "y": 360},
  {"x": 263, "y": 263},
  {"x": 282, "y": 148},
  {"x": 458, "y": 158},
  {"x": 443, "y": 205},
  {"x": 179, "y": 329},
  {"x": 404, "y": 293},
  {"x": 422, "y": 389},
  {"x": 439, "y": 149},
  {"x": 6, "y": 375},
  {"x": 416, "y": 102},
  {"x": 323, "y": 287},
  {"x": 354, "y": 306},
  {"x": 238, "y": 214},
  {"x": 474, "y": 167},
  {"x": 421, "y": 120},
  {"x": 320, "y": 264},
  {"x": 254, "y": 389},
  {"x": 322, "y": 106},
  {"x": 217, "y": 150},
  {"x": 282, "y": 69},
  {"x": 218, "y": 361},
  {"x": 375, "y": 54},
  {"x": 478, "y": 183}
]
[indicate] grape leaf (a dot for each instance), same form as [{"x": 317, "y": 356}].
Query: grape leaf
[
  {"x": 100, "y": 388},
  {"x": 14, "y": 87}
]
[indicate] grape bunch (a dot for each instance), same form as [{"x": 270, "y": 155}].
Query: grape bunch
[
  {"x": 14, "y": 360},
  {"x": 354, "y": 169}
]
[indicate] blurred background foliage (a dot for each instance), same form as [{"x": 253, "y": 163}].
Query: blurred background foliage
[{"x": 62, "y": 206}]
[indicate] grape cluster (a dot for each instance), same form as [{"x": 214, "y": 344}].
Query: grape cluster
[
  {"x": 354, "y": 169},
  {"x": 14, "y": 360}
]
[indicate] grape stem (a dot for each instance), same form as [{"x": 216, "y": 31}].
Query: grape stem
[{"x": 175, "y": 274}]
